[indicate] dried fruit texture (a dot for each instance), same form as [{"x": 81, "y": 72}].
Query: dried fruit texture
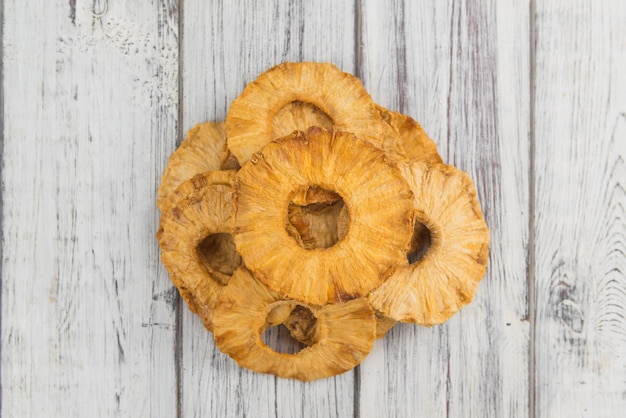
[
  {"x": 315, "y": 194},
  {"x": 302, "y": 325},
  {"x": 317, "y": 218},
  {"x": 203, "y": 150},
  {"x": 306, "y": 230},
  {"x": 279, "y": 314},
  {"x": 187, "y": 188},
  {"x": 383, "y": 324},
  {"x": 298, "y": 116},
  {"x": 379, "y": 206},
  {"x": 408, "y": 142},
  {"x": 197, "y": 246},
  {"x": 434, "y": 288},
  {"x": 318, "y": 225},
  {"x": 271, "y": 106},
  {"x": 346, "y": 332}
]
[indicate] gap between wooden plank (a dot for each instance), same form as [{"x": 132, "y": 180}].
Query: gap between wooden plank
[
  {"x": 178, "y": 339},
  {"x": 357, "y": 72},
  {"x": 531, "y": 210},
  {"x": 1, "y": 180}
]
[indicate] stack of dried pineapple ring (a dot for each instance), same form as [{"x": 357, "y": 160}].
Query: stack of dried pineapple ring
[{"x": 314, "y": 208}]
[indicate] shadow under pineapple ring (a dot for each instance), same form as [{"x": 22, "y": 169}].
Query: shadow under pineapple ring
[{"x": 379, "y": 210}]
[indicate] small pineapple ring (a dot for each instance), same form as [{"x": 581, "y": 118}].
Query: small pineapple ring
[
  {"x": 434, "y": 288},
  {"x": 341, "y": 96},
  {"x": 346, "y": 332},
  {"x": 380, "y": 211},
  {"x": 203, "y": 207}
]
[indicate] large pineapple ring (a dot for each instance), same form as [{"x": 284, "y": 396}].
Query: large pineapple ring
[
  {"x": 378, "y": 201},
  {"x": 203, "y": 150},
  {"x": 345, "y": 332},
  {"x": 434, "y": 288},
  {"x": 197, "y": 247},
  {"x": 254, "y": 118}
]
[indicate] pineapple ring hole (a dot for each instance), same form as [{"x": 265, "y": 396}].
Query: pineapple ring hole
[
  {"x": 279, "y": 337},
  {"x": 217, "y": 252},
  {"x": 298, "y": 116},
  {"x": 319, "y": 218},
  {"x": 421, "y": 241}
]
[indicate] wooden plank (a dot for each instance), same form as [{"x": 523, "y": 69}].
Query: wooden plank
[
  {"x": 90, "y": 110},
  {"x": 226, "y": 45},
  {"x": 462, "y": 70},
  {"x": 580, "y": 149}
]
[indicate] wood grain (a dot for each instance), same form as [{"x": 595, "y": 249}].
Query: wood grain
[
  {"x": 226, "y": 45},
  {"x": 90, "y": 110},
  {"x": 580, "y": 226},
  {"x": 528, "y": 96},
  {"x": 447, "y": 65}
]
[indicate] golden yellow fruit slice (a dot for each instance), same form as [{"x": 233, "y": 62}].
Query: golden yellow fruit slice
[
  {"x": 435, "y": 287},
  {"x": 197, "y": 246},
  {"x": 345, "y": 332},
  {"x": 379, "y": 210}
]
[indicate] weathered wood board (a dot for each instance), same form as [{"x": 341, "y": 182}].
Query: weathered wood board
[
  {"x": 580, "y": 220},
  {"x": 527, "y": 96},
  {"x": 89, "y": 114}
]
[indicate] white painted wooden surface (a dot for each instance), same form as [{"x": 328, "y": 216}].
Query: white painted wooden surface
[
  {"x": 528, "y": 96},
  {"x": 580, "y": 209},
  {"x": 90, "y": 110}
]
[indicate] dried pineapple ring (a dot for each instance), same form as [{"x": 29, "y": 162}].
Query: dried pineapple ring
[
  {"x": 346, "y": 332},
  {"x": 197, "y": 247},
  {"x": 203, "y": 150},
  {"x": 434, "y": 288},
  {"x": 410, "y": 142},
  {"x": 341, "y": 97},
  {"x": 379, "y": 206}
]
